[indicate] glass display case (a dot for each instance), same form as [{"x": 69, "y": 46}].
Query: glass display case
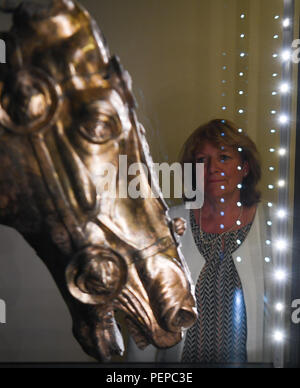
[{"x": 191, "y": 62}]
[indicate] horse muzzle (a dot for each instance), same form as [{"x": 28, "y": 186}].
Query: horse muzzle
[{"x": 153, "y": 292}]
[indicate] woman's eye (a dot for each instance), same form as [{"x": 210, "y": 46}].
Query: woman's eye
[
  {"x": 225, "y": 157},
  {"x": 201, "y": 159}
]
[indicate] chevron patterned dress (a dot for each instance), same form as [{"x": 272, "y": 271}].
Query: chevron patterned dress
[{"x": 220, "y": 333}]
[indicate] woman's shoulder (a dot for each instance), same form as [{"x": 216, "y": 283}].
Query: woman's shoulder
[{"x": 264, "y": 209}]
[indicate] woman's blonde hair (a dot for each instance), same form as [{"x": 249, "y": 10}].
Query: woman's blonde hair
[{"x": 224, "y": 133}]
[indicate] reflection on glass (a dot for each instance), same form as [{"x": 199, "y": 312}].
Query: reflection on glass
[
  {"x": 244, "y": 71},
  {"x": 224, "y": 247}
]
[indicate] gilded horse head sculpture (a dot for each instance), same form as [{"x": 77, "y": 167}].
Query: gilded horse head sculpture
[{"x": 67, "y": 110}]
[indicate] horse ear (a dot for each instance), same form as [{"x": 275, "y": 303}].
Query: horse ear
[{"x": 96, "y": 275}]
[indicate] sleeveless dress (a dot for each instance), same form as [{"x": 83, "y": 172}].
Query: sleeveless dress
[{"x": 220, "y": 333}]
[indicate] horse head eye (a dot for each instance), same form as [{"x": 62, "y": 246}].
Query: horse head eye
[{"x": 99, "y": 122}]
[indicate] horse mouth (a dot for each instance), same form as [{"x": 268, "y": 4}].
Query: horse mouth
[
  {"x": 139, "y": 336},
  {"x": 160, "y": 338},
  {"x": 142, "y": 324},
  {"x": 129, "y": 303}
]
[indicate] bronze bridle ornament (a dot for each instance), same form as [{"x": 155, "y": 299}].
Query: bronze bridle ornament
[{"x": 66, "y": 110}]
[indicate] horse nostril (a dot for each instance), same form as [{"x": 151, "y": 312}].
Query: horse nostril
[
  {"x": 169, "y": 292},
  {"x": 182, "y": 318},
  {"x": 182, "y": 315}
]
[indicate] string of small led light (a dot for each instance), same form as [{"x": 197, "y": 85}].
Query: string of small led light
[{"x": 281, "y": 243}]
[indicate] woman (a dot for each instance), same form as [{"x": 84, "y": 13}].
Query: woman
[{"x": 223, "y": 247}]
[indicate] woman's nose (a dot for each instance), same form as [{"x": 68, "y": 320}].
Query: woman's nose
[{"x": 215, "y": 165}]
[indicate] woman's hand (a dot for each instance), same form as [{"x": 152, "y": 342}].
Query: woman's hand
[{"x": 179, "y": 226}]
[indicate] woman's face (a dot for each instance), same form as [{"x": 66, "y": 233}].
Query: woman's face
[{"x": 223, "y": 170}]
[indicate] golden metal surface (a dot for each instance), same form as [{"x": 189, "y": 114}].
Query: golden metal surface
[{"x": 66, "y": 109}]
